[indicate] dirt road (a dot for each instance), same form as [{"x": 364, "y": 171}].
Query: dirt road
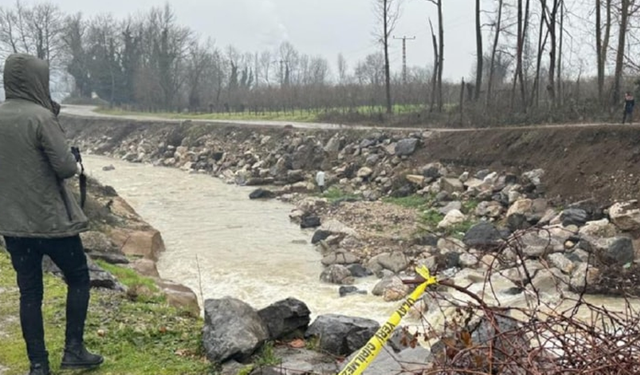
[{"x": 89, "y": 111}]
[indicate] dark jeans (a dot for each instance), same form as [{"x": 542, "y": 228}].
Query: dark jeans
[
  {"x": 68, "y": 255},
  {"x": 627, "y": 115}
]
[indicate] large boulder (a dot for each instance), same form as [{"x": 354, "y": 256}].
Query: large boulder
[
  {"x": 340, "y": 257},
  {"x": 609, "y": 251},
  {"x": 338, "y": 228},
  {"x": 583, "y": 277},
  {"x": 574, "y": 216},
  {"x": 620, "y": 251},
  {"x": 310, "y": 221},
  {"x": 600, "y": 228},
  {"x": 394, "y": 262},
  {"x": 337, "y": 274},
  {"x": 626, "y": 216},
  {"x": 179, "y": 296},
  {"x": 405, "y": 362},
  {"x": 142, "y": 243},
  {"x": 538, "y": 244},
  {"x": 261, "y": 194},
  {"x": 406, "y": 147},
  {"x": 341, "y": 335},
  {"x": 97, "y": 242},
  {"x": 451, "y": 185},
  {"x": 320, "y": 235},
  {"x": 145, "y": 267},
  {"x": 334, "y": 144},
  {"x": 232, "y": 330},
  {"x": 453, "y": 218},
  {"x": 286, "y": 318},
  {"x": 296, "y": 361},
  {"x": 526, "y": 212},
  {"x": 483, "y": 236}
]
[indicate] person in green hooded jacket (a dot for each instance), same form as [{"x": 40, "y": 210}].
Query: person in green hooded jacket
[{"x": 38, "y": 214}]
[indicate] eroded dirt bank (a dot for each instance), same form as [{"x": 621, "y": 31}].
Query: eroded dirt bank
[{"x": 580, "y": 163}]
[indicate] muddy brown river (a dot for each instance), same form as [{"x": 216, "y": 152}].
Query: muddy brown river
[
  {"x": 236, "y": 247},
  {"x": 219, "y": 243}
]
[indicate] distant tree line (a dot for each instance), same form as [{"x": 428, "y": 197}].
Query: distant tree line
[{"x": 536, "y": 60}]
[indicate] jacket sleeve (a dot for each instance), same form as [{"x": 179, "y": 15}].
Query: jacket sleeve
[{"x": 54, "y": 144}]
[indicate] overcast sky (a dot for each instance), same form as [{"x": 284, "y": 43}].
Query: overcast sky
[{"x": 315, "y": 27}]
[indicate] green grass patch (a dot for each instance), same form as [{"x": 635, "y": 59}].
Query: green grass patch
[
  {"x": 127, "y": 276},
  {"x": 135, "y": 337},
  {"x": 469, "y": 206},
  {"x": 412, "y": 201},
  {"x": 267, "y": 356},
  {"x": 431, "y": 218},
  {"x": 334, "y": 194},
  {"x": 311, "y": 115},
  {"x": 297, "y": 116}
]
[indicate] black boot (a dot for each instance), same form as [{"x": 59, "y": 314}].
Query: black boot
[
  {"x": 39, "y": 369},
  {"x": 76, "y": 356}
]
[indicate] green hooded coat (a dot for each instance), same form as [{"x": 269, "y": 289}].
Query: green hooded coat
[{"x": 35, "y": 159}]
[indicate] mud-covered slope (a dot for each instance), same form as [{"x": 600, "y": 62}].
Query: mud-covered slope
[{"x": 580, "y": 162}]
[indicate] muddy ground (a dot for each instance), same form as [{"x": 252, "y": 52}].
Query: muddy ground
[{"x": 600, "y": 163}]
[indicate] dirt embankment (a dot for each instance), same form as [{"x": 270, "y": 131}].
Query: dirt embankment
[
  {"x": 600, "y": 163},
  {"x": 596, "y": 162}
]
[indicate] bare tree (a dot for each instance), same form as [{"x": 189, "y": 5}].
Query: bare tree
[
  {"x": 438, "y": 4},
  {"x": 479, "y": 51},
  {"x": 436, "y": 67},
  {"x": 622, "y": 38},
  {"x": 388, "y": 13},
  {"x": 496, "y": 40},
  {"x": 602, "y": 43}
]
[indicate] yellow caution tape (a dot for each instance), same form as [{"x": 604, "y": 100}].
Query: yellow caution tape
[{"x": 368, "y": 353}]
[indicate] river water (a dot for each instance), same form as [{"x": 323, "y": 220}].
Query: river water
[
  {"x": 216, "y": 237},
  {"x": 219, "y": 243}
]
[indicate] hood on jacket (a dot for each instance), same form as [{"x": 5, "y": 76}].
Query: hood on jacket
[{"x": 27, "y": 77}]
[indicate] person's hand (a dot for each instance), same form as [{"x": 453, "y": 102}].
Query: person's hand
[{"x": 76, "y": 153}]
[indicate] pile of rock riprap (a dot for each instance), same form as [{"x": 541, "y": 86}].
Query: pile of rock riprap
[
  {"x": 367, "y": 163},
  {"x": 509, "y": 235},
  {"x": 234, "y": 333},
  {"x": 577, "y": 244}
]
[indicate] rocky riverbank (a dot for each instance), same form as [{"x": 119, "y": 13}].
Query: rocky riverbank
[
  {"x": 387, "y": 208},
  {"x": 392, "y": 205}
]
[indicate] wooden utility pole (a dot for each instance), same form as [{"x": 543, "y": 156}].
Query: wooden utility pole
[{"x": 404, "y": 56}]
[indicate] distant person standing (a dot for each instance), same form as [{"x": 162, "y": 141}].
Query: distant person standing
[
  {"x": 629, "y": 104},
  {"x": 320, "y": 180},
  {"x": 38, "y": 214}
]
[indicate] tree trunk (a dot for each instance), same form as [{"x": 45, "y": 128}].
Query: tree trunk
[
  {"x": 559, "y": 76},
  {"x": 436, "y": 62},
  {"x": 551, "y": 27},
  {"x": 496, "y": 39},
  {"x": 624, "y": 20},
  {"x": 462, "y": 86},
  {"x": 542, "y": 41},
  {"x": 441, "y": 56},
  {"x": 387, "y": 68},
  {"x": 599, "y": 52},
  {"x": 479, "y": 52}
]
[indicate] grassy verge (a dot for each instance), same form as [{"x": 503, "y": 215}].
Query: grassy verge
[
  {"x": 137, "y": 335},
  {"x": 335, "y": 194},
  {"x": 295, "y": 116},
  {"x": 266, "y": 116}
]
